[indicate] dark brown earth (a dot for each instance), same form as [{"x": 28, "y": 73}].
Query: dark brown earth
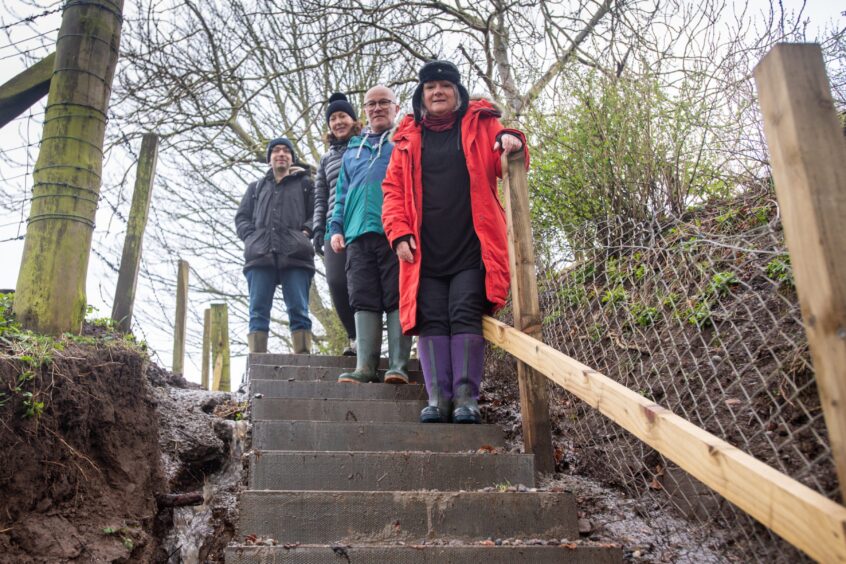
[
  {"x": 91, "y": 432},
  {"x": 78, "y": 481}
]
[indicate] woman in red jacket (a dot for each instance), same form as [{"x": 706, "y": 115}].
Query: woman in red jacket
[{"x": 443, "y": 218}]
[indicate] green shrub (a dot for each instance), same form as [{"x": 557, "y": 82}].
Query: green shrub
[
  {"x": 642, "y": 314},
  {"x": 614, "y": 295},
  {"x": 780, "y": 270},
  {"x": 721, "y": 282}
]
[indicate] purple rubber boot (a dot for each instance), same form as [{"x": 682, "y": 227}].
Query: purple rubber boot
[
  {"x": 434, "y": 353},
  {"x": 468, "y": 363}
]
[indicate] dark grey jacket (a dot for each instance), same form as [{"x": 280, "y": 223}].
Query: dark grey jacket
[
  {"x": 271, "y": 220},
  {"x": 324, "y": 187}
]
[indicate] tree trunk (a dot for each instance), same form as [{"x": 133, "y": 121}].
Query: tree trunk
[{"x": 50, "y": 296}]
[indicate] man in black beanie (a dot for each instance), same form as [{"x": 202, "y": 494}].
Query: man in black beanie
[{"x": 275, "y": 222}]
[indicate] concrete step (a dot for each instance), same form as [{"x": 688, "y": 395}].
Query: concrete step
[
  {"x": 379, "y": 471},
  {"x": 410, "y": 517},
  {"x": 316, "y": 360},
  {"x": 373, "y": 436},
  {"x": 305, "y": 373},
  {"x": 334, "y": 390},
  {"x": 331, "y": 554},
  {"x": 282, "y": 409}
]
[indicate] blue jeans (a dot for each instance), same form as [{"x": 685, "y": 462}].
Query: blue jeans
[{"x": 295, "y": 283}]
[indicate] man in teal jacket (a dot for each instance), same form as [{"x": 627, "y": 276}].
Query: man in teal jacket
[{"x": 372, "y": 266}]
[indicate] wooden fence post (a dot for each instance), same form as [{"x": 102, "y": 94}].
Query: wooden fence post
[
  {"x": 534, "y": 395},
  {"x": 25, "y": 89},
  {"x": 220, "y": 348},
  {"x": 808, "y": 152},
  {"x": 181, "y": 317},
  {"x": 204, "y": 371},
  {"x": 138, "y": 213},
  {"x": 50, "y": 294}
]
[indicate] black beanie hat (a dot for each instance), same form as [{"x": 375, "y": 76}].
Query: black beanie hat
[
  {"x": 281, "y": 141},
  {"x": 338, "y": 103},
  {"x": 438, "y": 70}
]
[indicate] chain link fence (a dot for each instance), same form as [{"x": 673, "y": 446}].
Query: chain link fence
[{"x": 699, "y": 314}]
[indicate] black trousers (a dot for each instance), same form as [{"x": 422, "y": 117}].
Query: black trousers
[
  {"x": 372, "y": 274},
  {"x": 451, "y": 305},
  {"x": 336, "y": 278}
]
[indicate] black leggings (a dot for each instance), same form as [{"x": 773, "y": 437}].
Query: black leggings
[
  {"x": 336, "y": 278},
  {"x": 451, "y": 305}
]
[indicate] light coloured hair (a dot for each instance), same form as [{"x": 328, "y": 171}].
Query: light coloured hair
[{"x": 424, "y": 112}]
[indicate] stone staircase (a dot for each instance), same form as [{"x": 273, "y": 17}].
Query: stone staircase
[{"x": 345, "y": 473}]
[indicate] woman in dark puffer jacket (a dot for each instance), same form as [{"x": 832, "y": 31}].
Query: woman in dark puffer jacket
[{"x": 343, "y": 125}]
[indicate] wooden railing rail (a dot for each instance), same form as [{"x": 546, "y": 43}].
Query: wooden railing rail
[{"x": 803, "y": 517}]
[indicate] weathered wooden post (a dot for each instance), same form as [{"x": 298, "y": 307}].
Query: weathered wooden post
[
  {"x": 25, "y": 89},
  {"x": 50, "y": 295},
  {"x": 534, "y": 396},
  {"x": 138, "y": 213},
  {"x": 204, "y": 371},
  {"x": 220, "y": 347},
  {"x": 181, "y": 317},
  {"x": 808, "y": 151}
]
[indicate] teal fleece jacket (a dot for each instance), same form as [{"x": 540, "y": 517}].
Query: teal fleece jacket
[{"x": 358, "y": 194}]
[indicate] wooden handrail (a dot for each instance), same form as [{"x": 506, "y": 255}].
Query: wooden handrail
[{"x": 803, "y": 517}]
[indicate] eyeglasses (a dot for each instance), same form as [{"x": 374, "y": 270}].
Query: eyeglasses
[{"x": 373, "y": 104}]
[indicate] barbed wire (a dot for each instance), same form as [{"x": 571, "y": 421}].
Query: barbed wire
[{"x": 30, "y": 19}]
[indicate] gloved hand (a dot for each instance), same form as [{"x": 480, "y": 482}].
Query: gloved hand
[{"x": 318, "y": 241}]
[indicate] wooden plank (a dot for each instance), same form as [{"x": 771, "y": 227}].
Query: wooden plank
[
  {"x": 138, "y": 214},
  {"x": 534, "y": 395},
  {"x": 803, "y": 517},
  {"x": 204, "y": 371},
  {"x": 220, "y": 347},
  {"x": 808, "y": 152},
  {"x": 181, "y": 317},
  {"x": 25, "y": 89}
]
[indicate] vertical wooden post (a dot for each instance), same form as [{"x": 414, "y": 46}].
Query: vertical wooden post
[
  {"x": 808, "y": 152},
  {"x": 50, "y": 295},
  {"x": 220, "y": 347},
  {"x": 204, "y": 371},
  {"x": 534, "y": 400},
  {"x": 138, "y": 212},
  {"x": 181, "y": 315}
]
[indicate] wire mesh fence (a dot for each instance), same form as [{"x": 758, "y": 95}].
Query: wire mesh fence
[{"x": 699, "y": 314}]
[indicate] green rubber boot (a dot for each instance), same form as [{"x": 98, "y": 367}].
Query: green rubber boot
[
  {"x": 399, "y": 349},
  {"x": 368, "y": 336}
]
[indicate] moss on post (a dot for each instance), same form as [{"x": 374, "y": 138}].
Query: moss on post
[
  {"x": 50, "y": 294},
  {"x": 220, "y": 347}
]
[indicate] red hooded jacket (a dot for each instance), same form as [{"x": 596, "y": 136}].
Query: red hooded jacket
[{"x": 402, "y": 206}]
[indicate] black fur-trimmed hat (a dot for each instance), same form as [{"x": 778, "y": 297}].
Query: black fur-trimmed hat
[
  {"x": 338, "y": 103},
  {"x": 438, "y": 70},
  {"x": 281, "y": 141}
]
